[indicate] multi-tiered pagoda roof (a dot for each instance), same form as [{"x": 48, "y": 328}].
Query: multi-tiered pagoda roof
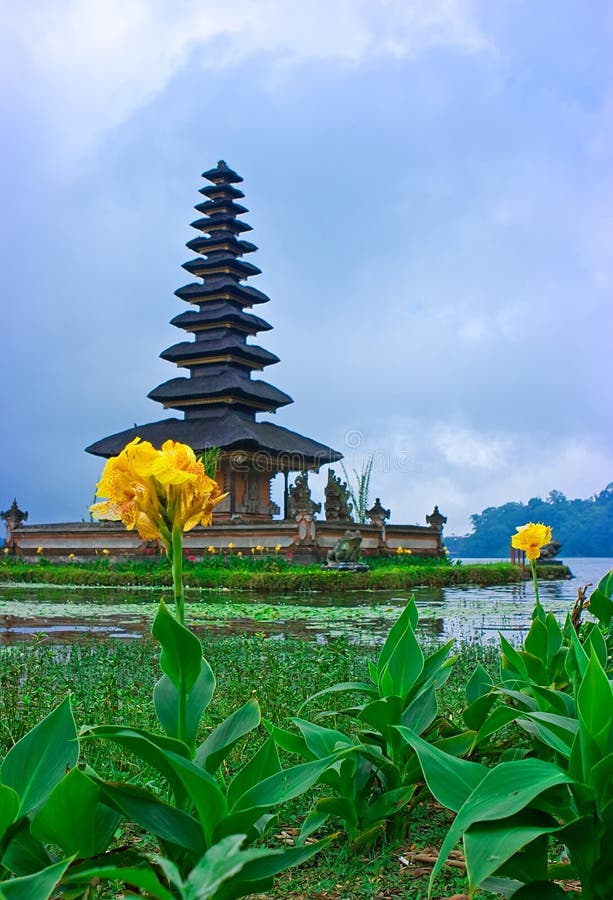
[{"x": 219, "y": 397}]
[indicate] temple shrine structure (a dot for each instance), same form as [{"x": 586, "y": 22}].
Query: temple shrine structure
[{"x": 219, "y": 396}]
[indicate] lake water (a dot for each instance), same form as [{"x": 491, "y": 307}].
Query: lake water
[{"x": 36, "y": 612}]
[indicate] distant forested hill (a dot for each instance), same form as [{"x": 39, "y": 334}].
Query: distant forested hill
[{"x": 583, "y": 527}]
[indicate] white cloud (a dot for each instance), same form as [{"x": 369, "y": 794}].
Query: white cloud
[
  {"x": 463, "y": 448},
  {"x": 89, "y": 64}
]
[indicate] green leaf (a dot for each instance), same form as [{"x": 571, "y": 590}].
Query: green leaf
[
  {"x": 9, "y": 808},
  {"x": 421, "y": 713},
  {"x": 595, "y": 704},
  {"x": 321, "y": 741},
  {"x": 361, "y": 687},
  {"x": 504, "y": 791},
  {"x": 74, "y": 818},
  {"x": 407, "y": 619},
  {"x": 39, "y": 886},
  {"x": 535, "y": 641},
  {"x": 147, "y": 746},
  {"x": 403, "y": 666},
  {"x": 263, "y": 764},
  {"x": 287, "y": 740},
  {"x": 475, "y": 715},
  {"x": 145, "y": 879},
  {"x": 450, "y": 780},
  {"x": 557, "y": 732},
  {"x": 159, "y": 818},
  {"x": 511, "y": 659},
  {"x": 601, "y": 600},
  {"x": 36, "y": 763},
  {"x": 203, "y": 791},
  {"x": 596, "y": 641},
  {"x": 479, "y": 684},
  {"x": 166, "y": 701},
  {"x": 25, "y": 855},
  {"x": 382, "y": 714},
  {"x": 287, "y": 784},
  {"x": 215, "y": 748},
  {"x": 181, "y": 656},
  {"x": 488, "y": 846},
  {"x": 499, "y": 717}
]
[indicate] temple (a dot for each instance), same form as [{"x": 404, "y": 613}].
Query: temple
[{"x": 218, "y": 398}]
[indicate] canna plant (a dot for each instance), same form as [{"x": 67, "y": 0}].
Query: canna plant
[
  {"x": 378, "y": 773},
  {"x": 556, "y": 689},
  {"x": 58, "y": 818}
]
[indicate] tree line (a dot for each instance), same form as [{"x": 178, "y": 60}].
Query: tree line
[{"x": 583, "y": 527}]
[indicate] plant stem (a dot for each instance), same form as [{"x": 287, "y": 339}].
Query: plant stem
[
  {"x": 177, "y": 574},
  {"x": 540, "y": 612}
]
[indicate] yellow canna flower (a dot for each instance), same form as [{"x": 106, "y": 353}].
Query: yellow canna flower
[
  {"x": 230, "y": 546},
  {"x": 158, "y": 492},
  {"x": 105, "y": 552},
  {"x": 278, "y": 547},
  {"x": 39, "y": 550},
  {"x": 253, "y": 549},
  {"x": 5, "y": 550},
  {"x": 399, "y": 550},
  {"x": 530, "y": 538},
  {"x": 239, "y": 553},
  {"x": 71, "y": 556},
  {"x": 211, "y": 550}
]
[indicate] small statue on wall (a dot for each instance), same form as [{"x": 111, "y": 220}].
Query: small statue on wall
[
  {"x": 337, "y": 506},
  {"x": 377, "y": 514},
  {"x": 300, "y": 498},
  {"x": 14, "y": 518},
  {"x": 435, "y": 520}
]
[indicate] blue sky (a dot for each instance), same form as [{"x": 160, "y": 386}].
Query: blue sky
[{"x": 429, "y": 184}]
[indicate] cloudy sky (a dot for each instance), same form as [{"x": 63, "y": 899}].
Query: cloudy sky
[{"x": 429, "y": 184}]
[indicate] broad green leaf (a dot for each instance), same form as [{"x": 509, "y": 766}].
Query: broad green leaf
[
  {"x": 437, "y": 666},
  {"x": 596, "y": 641},
  {"x": 74, "y": 818},
  {"x": 181, "y": 656},
  {"x": 407, "y": 619},
  {"x": 475, "y": 715},
  {"x": 403, "y": 666},
  {"x": 557, "y": 732},
  {"x": 577, "y": 660},
  {"x": 488, "y": 845},
  {"x": 203, "y": 792},
  {"x": 35, "y": 764},
  {"x": 601, "y": 606},
  {"x": 382, "y": 714},
  {"x": 450, "y": 780},
  {"x": 253, "y": 822},
  {"x": 595, "y": 704},
  {"x": 9, "y": 808},
  {"x": 499, "y": 717},
  {"x": 421, "y": 713},
  {"x": 287, "y": 784},
  {"x": 601, "y": 781},
  {"x": 479, "y": 684},
  {"x": 38, "y": 886},
  {"x": 211, "y": 753},
  {"x": 321, "y": 741},
  {"x": 535, "y": 641},
  {"x": 511, "y": 659},
  {"x": 263, "y": 764},
  {"x": 145, "y": 879},
  {"x": 147, "y": 746},
  {"x": 220, "y": 863},
  {"x": 159, "y": 818},
  {"x": 361, "y": 687},
  {"x": 265, "y": 866},
  {"x": 555, "y": 638},
  {"x": 504, "y": 791},
  {"x": 166, "y": 701},
  {"x": 388, "y": 804},
  {"x": 24, "y": 854},
  {"x": 287, "y": 740}
]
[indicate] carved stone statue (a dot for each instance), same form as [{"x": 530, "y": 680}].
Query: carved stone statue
[
  {"x": 436, "y": 520},
  {"x": 377, "y": 514},
  {"x": 337, "y": 506},
  {"x": 300, "y": 498},
  {"x": 548, "y": 551},
  {"x": 346, "y": 549}
]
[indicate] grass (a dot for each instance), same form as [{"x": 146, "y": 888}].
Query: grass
[
  {"x": 270, "y": 575},
  {"x": 111, "y": 682}
]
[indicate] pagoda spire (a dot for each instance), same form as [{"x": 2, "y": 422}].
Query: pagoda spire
[{"x": 218, "y": 358}]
